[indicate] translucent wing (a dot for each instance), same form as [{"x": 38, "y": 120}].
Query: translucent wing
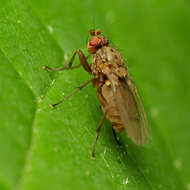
[{"x": 130, "y": 108}]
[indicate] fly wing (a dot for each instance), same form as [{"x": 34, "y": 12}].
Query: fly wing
[
  {"x": 143, "y": 118},
  {"x": 130, "y": 108}
]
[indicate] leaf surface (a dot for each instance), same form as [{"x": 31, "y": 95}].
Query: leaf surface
[{"x": 44, "y": 148}]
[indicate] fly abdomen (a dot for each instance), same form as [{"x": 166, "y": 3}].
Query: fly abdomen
[{"x": 105, "y": 95}]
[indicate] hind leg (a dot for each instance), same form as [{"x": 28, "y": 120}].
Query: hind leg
[{"x": 116, "y": 138}]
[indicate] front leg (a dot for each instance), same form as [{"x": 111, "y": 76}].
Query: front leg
[{"x": 83, "y": 62}]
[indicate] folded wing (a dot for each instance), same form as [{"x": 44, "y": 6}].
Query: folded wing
[{"x": 130, "y": 108}]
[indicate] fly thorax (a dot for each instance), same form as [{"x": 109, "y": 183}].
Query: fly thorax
[
  {"x": 109, "y": 54},
  {"x": 94, "y": 65}
]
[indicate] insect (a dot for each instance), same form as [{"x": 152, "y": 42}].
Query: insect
[{"x": 116, "y": 90}]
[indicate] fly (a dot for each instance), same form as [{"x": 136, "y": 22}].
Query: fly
[{"x": 116, "y": 90}]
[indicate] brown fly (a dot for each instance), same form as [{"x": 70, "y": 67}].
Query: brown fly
[{"x": 116, "y": 90}]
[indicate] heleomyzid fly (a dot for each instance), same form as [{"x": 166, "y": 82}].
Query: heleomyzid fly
[{"x": 116, "y": 90}]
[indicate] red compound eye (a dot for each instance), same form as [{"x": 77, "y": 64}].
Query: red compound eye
[
  {"x": 98, "y": 32},
  {"x": 94, "y": 41},
  {"x": 92, "y": 32}
]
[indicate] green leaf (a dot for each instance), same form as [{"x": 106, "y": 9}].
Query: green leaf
[{"x": 44, "y": 148}]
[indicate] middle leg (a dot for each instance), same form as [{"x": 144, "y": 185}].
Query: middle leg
[
  {"x": 97, "y": 134},
  {"x": 74, "y": 92}
]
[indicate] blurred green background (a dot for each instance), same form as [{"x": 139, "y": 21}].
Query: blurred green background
[{"x": 49, "y": 149}]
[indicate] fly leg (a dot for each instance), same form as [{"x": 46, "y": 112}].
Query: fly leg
[
  {"x": 116, "y": 139},
  {"x": 74, "y": 92},
  {"x": 83, "y": 62},
  {"x": 97, "y": 134}
]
